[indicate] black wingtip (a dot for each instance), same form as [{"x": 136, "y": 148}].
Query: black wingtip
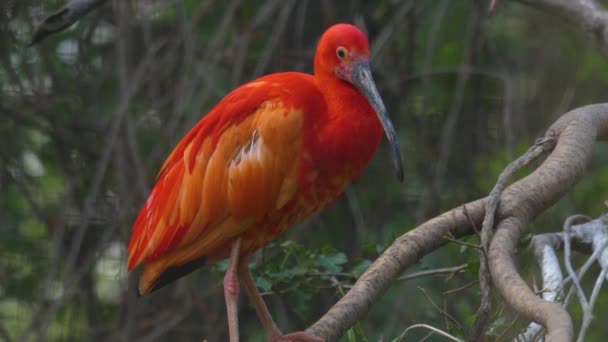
[{"x": 171, "y": 274}]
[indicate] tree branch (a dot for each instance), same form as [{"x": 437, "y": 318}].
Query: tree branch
[
  {"x": 404, "y": 252},
  {"x": 449, "y": 270},
  {"x": 589, "y": 15},
  {"x": 64, "y": 17},
  {"x": 591, "y": 238},
  {"x": 485, "y": 282},
  {"x": 544, "y": 246},
  {"x": 575, "y": 134}
]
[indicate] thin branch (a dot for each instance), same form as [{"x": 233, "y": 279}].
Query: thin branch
[
  {"x": 442, "y": 312},
  {"x": 577, "y": 285},
  {"x": 589, "y": 15},
  {"x": 464, "y": 287},
  {"x": 462, "y": 243},
  {"x": 64, "y": 17},
  {"x": 591, "y": 236},
  {"x": 431, "y": 328},
  {"x": 588, "y": 315},
  {"x": 438, "y": 271}
]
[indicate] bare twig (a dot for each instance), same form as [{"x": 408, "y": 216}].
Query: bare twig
[
  {"x": 438, "y": 271},
  {"x": 462, "y": 243},
  {"x": 579, "y": 290},
  {"x": 588, "y": 315},
  {"x": 595, "y": 233},
  {"x": 464, "y": 287},
  {"x": 426, "y": 326},
  {"x": 441, "y": 311},
  {"x": 586, "y": 237}
]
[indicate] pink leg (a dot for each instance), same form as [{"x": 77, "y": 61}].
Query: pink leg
[
  {"x": 231, "y": 291},
  {"x": 272, "y": 331},
  {"x": 273, "y": 334}
]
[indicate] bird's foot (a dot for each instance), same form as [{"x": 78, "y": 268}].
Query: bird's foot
[{"x": 299, "y": 336}]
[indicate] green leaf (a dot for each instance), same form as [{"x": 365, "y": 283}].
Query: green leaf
[
  {"x": 263, "y": 284},
  {"x": 361, "y": 267},
  {"x": 331, "y": 263}
]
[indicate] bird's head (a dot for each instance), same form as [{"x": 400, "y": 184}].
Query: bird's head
[{"x": 343, "y": 54}]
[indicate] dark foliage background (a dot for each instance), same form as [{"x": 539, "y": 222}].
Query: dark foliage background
[{"x": 88, "y": 115}]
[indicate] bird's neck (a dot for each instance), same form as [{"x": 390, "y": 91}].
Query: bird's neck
[{"x": 351, "y": 131}]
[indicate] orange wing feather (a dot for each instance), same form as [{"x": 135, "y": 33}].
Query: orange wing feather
[{"x": 237, "y": 165}]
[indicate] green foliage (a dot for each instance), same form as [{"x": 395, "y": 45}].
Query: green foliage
[{"x": 300, "y": 271}]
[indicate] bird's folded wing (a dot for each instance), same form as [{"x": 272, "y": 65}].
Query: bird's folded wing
[{"x": 238, "y": 164}]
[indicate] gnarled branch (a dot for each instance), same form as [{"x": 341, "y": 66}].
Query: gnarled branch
[{"x": 575, "y": 134}]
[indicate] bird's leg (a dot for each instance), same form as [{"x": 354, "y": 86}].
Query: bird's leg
[
  {"x": 273, "y": 334},
  {"x": 231, "y": 291},
  {"x": 272, "y": 331}
]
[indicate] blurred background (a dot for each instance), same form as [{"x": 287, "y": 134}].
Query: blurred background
[{"x": 88, "y": 115}]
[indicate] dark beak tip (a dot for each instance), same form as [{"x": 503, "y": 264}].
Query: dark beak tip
[
  {"x": 399, "y": 170},
  {"x": 400, "y": 176}
]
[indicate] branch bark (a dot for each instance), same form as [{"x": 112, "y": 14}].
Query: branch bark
[
  {"x": 64, "y": 17},
  {"x": 591, "y": 238},
  {"x": 589, "y": 15},
  {"x": 575, "y": 133},
  {"x": 404, "y": 252}
]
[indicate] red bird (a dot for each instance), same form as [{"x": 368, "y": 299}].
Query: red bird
[{"x": 271, "y": 153}]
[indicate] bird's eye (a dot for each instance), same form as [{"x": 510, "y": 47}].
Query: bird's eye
[{"x": 341, "y": 52}]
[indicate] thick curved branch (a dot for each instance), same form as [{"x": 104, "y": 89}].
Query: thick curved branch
[
  {"x": 589, "y": 15},
  {"x": 482, "y": 319},
  {"x": 576, "y": 132},
  {"x": 404, "y": 252}
]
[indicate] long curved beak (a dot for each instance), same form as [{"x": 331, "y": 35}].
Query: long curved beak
[{"x": 361, "y": 77}]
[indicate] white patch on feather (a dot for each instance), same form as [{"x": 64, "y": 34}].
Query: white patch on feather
[{"x": 253, "y": 149}]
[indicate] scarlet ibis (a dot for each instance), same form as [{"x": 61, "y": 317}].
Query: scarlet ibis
[{"x": 269, "y": 154}]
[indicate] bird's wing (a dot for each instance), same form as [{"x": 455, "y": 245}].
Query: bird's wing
[{"x": 238, "y": 164}]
